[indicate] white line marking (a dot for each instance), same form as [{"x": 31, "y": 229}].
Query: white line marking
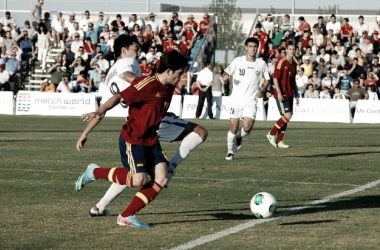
[
  {"x": 195, "y": 178},
  {"x": 212, "y": 237}
]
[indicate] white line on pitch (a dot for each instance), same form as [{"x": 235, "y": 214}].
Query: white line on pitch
[
  {"x": 212, "y": 237},
  {"x": 195, "y": 178}
]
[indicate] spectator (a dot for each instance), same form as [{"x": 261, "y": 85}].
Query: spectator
[
  {"x": 305, "y": 40},
  {"x": 340, "y": 48},
  {"x": 307, "y": 66},
  {"x": 262, "y": 37},
  {"x": 43, "y": 44},
  {"x": 65, "y": 63},
  {"x": 355, "y": 70},
  {"x": 136, "y": 30},
  {"x": 152, "y": 22},
  {"x": 317, "y": 82},
  {"x": 151, "y": 55},
  {"x": 8, "y": 41},
  {"x": 376, "y": 42},
  {"x": 2, "y": 31},
  {"x": 117, "y": 23},
  {"x": 268, "y": 24},
  {"x": 271, "y": 51},
  {"x": 168, "y": 45},
  {"x": 372, "y": 94},
  {"x": 4, "y": 79},
  {"x": 31, "y": 31},
  {"x": 330, "y": 35},
  {"x": 121, "y": 31},
  {"x": 74, "y": 33},
  {"x": 184, "y": 45},
  {"x": 164, "y": 27},
  {"x": 69, "y": 54},
  {"x": 59, "y": 31},
  {"x": 321, "y": 26},
  {"x": 190, "y": 21},
  {"x": 329, "y": 81},
  {"x": 346, "y": 31},
  {"x": 103, "y": 20},
  {"x": 95, "y": 78},
  {"x": 336, "y": 61},
  {"x": 47, "y": 86},
  {"x": 188, "y": 31},
  {"x": 89, "y": 47},
  {"x": 334, "y": 25},
  {"x": 69, "y": 25},
  {"x": 13, "y": 66},
  {"x": 134, "y": 21},
  {"x": 98, "y": 48},
  {"x": 359, "y": 29},
  {"x": 176, "y": 25},
  {"x": 102, "y": 87},
  {"x": 276, "y": 35},
  {"x": 56, "y": 73},
  {"x": 81, "y": 53},
  {"x": 367, "y": 49},
  {"x": 7, "y": 19},
  {"x": 195, "y": 89},
  {"x": 86, "y": 21},
  {"x": 375, "y": 67},
  {"x": 318, "y": 38},
  {"x": 301, "y": 80},
  {"x": 196, "y": 45},
  {"x": 65, "y": 86},
  {"x": 345, "y": 82},
  {"x": 322, "y": 68},
  {"x": 303, "y": 26},
  {"x": 142, "y": 44},
  {"x": 352, "y": 53},
  {"x": 81, "y": 82},
  {"x": 27, "y": 46},
  {"x": 205, "y": 80},
  {"x": 99, "y": 59},
  {"x": 14, "y": 31},
  {"x": 106, "y": 33},
  {"x": 110, "y": 43},
  {"x": 165, "y": 34},
  {"x": 203, "y": 25},
  {"x": 36, "y": 14},
  {"x": 325, "y": 93},
  {"x": 92, "y": 32},
  {"x": 311, "y": 93},
  {"x": 287, "y": 25},
  {"x": 217, "y": 82},
  {"x": 146, "y": 69},
  {"x": 76, "y": 44},
  {"x": 372, "y": 79},
  {"x": 323, "y": 55},
  {"x": 354, "y": 94},
  {"x": 361, "y": 60},
  {"x": 47, "y": 21}
]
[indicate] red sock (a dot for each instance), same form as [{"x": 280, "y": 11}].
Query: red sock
[
  {"x": 278, "y": 125},
  {"x": 117, "y": 175},
  {"x": 144, "y": 196},
  {"x": 281, "y": 133}
]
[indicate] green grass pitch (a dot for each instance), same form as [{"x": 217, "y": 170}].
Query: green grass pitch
[{"x": 40, "y": 209}]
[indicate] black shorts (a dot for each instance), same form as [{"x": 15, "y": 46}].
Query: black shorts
[
  {"x": 285, "y": 107},
  {"x": 140, "y": 158}
]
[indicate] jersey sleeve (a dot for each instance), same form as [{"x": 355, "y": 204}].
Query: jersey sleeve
[
  {"x": 134, "y": 93},
  {"x": 278, "y": 70},
  {"x": 231, "y": 68},
  {"x": 265, "y": 72}
]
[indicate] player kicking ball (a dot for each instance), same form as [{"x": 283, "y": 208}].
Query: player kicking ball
[
  {"x": 148, "y": 99},
  {"x": 247, "y": 72},
  {"x": 285, "y": 88}
]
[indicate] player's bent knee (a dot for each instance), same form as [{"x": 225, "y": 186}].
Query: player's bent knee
[
  {"x": 162, "y": 181},
  {"x": 140, "y": 179},
  {"x": 201, "y": 131},
  {"x": 288, "y": 115}
]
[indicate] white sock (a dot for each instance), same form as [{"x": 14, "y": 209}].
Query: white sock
[
  {"x": 55, "y": 44},
  {"x": 243, "y": 133},
  {"x": 230, "y": 142},
  {"x": 188, "y": 144},
  {"x": 112, "y": 193}
]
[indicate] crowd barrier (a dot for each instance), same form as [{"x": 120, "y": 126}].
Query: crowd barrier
[{"x": 70, "y": 104}]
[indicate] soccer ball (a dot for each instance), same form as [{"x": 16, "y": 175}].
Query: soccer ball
[{"x": 263, "y": 205}]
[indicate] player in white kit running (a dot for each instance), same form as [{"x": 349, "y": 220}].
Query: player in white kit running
[
  {"x": 247, "y": 72},
  {"x": 119, "y": 77}
]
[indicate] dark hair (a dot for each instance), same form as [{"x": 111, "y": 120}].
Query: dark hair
[
  {"x": 290, "y": 43},
  {"x": 88, "y": 38},
  {"x": 358, "y": 49},
  {"x": 310, "y": 85},
  {"x": 360, "y": 17},
  {"x": 301, "y": 18},
  {"x": 118, "y": 15},
  {"x": 258, "y": 25},
  {"x": 7, "y": 13},
  {"x": 335, "y": 52},
  {"x": 302, "y": 69},
  {"x": 44, "y": 27},
  {"x": 123, "y": 41},
  {"x": 376, "y": 57},
  {"x": 144, "y": 58},
  {"x": 286, "y": 15},
  {"x": 172, "y": 60},
  {"x": 251, "y": 40},
  {"x": 320, "y": 17},
  {"x": 346, "y": 19},
  {"x": 207, "y": 63}
]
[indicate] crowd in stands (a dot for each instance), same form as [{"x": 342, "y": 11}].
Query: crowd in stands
[{"x": 87, "y": 45}]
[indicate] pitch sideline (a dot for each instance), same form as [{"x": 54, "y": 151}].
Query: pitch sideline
[{"x": 212, "y": 237}]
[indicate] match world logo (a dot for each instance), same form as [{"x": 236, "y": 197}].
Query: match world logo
[{"x": 23, "y": 102}]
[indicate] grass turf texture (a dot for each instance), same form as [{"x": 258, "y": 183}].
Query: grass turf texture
[{"x": 41, "y": 210}]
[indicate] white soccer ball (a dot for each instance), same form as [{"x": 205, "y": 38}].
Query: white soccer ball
[{"x": 263, "y": 205}]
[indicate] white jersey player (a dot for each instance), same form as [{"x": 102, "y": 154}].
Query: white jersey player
[
  {"x": 119, "y": 77},
  {"x": 247, "y": 72}
]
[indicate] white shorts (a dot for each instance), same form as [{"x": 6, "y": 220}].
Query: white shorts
[
  {"x": 249, "y": 110},
  {"x": 170, "y": 128}
]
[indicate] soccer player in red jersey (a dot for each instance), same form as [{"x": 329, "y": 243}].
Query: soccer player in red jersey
[
  {"x": 146, "y": 69},
  {"x": 284, "y": 81},
  {"x": 148, "y": 99}
]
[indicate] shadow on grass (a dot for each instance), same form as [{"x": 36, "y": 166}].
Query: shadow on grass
[{"x": 312, "y": 222}]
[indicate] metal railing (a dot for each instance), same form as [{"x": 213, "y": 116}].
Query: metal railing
[
  {"x": 250, "y": 33},
  {"x": 195, "y": 59}
]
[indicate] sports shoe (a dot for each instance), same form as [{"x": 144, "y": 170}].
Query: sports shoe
[
  {"x": 238, "y": 142},
  {"x": 131, "y": 221},
  {"x": 229, "y": 157},
  {"x": 272, "y": 139},
  {"x": 87, "y": 177},
  {"x": 171, "y": 168},
  {"x": 94, "y": 211},
  {"x": 281, "y": 144}
]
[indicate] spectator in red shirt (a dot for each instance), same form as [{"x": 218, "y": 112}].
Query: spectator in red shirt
[
  {"x": 262, "y": 37},
  {"x": 376, "y": 42},
  {"x": 184, "y": 45},
  {"x": 188, "y": 31},
  {"x": 89, "y": 47},
  {"x": 305, "y": 38},
  {"x": 190, "y": 20},
  {"x": 203, "y": 25},
  {"x": 146, "y": 69},
  {"x": 303, "y": 25},
  {"x": 346, "y": 30},
  {"x": 169, "y": 44}
]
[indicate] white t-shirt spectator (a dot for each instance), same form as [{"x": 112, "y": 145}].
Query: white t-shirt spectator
[
  {"x": 330, "y": 83},
  {"x": 139, "y": 22},
  {"x": 360, "y": 28},
  {"x": 338, "y": 62},
  {"x": 301, "y": 81},
  {"x": 58, "y": 26},
  {"x": 5, "y": 22},
  {"x": 366, "y": 47},
  {"x": 322, "y": 95},
  {"x": 326, "y": 57},
  {"x": 267, "y": 26},
  {"x": 103, "y": 64},
  {"x": 205, "y": 76},
  {"x": 110, "y": 44},
  {"x": 75, "y": 46},
  {"x": 155, "y": 26},
  {"x": 70, "y": 26},
  {"x": 84, "y": 56},
  {"x": 318, "y": 39},
  {"x": 84, "y": 24},
  {"x": 334, "y": 26},
  {"x": 61, "y": 88},
  {"x": 80, "y": 33},
  {"x": 4, "y": 76}
]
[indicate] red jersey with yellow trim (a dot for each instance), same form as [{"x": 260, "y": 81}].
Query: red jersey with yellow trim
[
  {"x": 346, "y": 30},
  {"x": 146, "y": 69},
  {"x": 148, "y": 100},
  {"x": 183, "y": 46},
  {"x": 168, "y": 46},
  {"x": 285, "y": 72},
  {"x": 263, "y": 36}
]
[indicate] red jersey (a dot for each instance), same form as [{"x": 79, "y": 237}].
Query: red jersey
[
  {"x": 189, "y": 35},
  {"x": 149, "y": 37},
  {"x": 183, "y": 46},
  {"x": 376, "y": 43},
  {"x": 271, "y": 52},
  {"x": 168, "y": 46},
  {"x": 194, "y": 24},
  {"x": 346, "y": 30},
  {"x": 263, "y": 36},
  {"x": 205, "y": 24},
  {"x": 285, "y": 72},
  {"x": 304, "y": 27},
  {"x": 305, "y": 42},
  {"x": 148, "y": 100},
  {"x": 87, "y": 48},
  {"x": 146, "y": 69}
]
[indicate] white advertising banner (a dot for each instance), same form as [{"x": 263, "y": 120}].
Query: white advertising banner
[
  {"x": 56, "y": 104},
  {"x": 6, "y": 103},
  {"x": 220, "y": 108},
  {"x": 367, "y": 112},
  {"x": 314, "y": 110}
]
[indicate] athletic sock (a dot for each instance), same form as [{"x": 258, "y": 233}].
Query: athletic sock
[
  {"x": 281, "y": 133},
  {"x": 188, "y": 144},
  {"x": 117, "y": 175},
  {"x": 112, "y": 193},
  {"x": 278, "y": 125},
  {"x": 142, "y": 198},
  {"x": 230, "y": 142},
  {"x": 242, "y": 133}
]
